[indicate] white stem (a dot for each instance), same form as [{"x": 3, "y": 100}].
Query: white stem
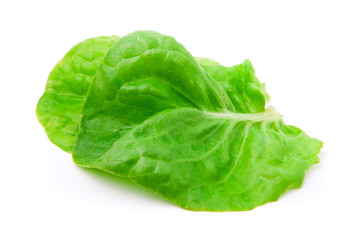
[{"x": 270, "y": 114}]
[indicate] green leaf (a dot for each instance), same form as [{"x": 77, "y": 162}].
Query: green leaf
[
  {"x": 198, "y": 135},
  {"x": 203, "y": 161},
  {"x": 241, "y": 84},
  {"x": 59, "y": 108}
]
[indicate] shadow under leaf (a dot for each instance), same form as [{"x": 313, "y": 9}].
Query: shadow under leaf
[{"x": 124, "y": 183}]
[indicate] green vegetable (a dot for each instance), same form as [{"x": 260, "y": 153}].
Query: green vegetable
[
  {"x": 60, "y": 106},
  {"x": 189, "y": 129}
]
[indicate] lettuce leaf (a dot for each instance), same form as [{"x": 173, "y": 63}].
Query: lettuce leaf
[
  {"x": 189, "y": 129},
  {"x": 59, "y": 108}
]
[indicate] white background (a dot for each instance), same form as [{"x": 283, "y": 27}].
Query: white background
[{"x": 309, "y": 53}]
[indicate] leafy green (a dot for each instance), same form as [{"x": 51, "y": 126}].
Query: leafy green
[
  {"x": 194, "y": 131},
  {"x": 240, "y": 83},
  {"x": 59, "y": 108}
]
